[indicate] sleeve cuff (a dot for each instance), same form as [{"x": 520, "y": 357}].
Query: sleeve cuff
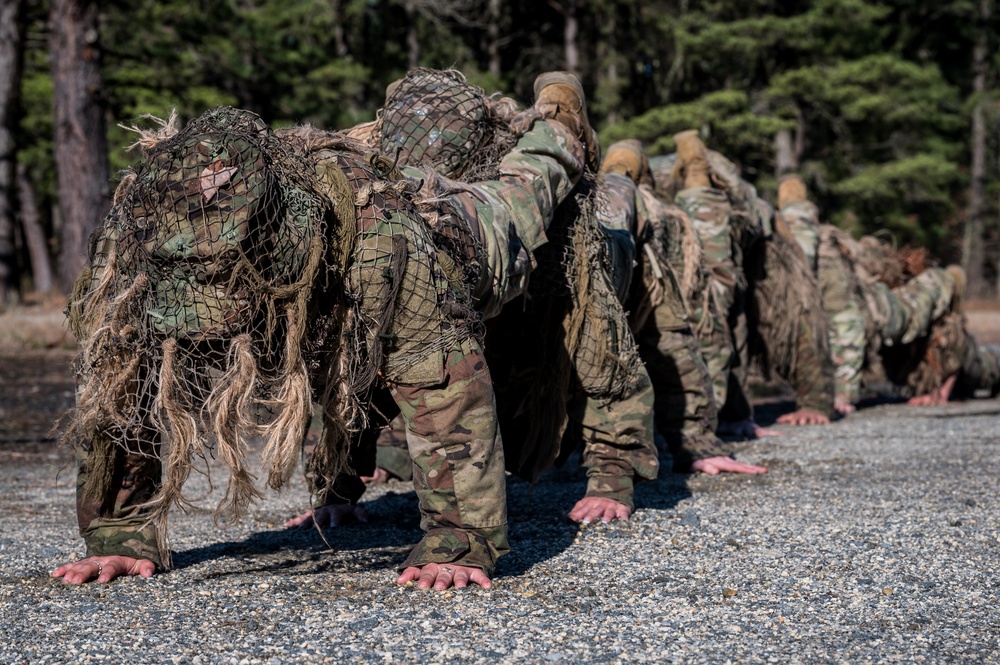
[{"x": 478, "y": 549}]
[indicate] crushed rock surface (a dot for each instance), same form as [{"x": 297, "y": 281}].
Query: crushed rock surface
[{"x": 875, "y": 539}]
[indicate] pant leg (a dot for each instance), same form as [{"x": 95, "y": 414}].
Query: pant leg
[
  {"x": 458, "y": 464},
  {"x": 618, "y": 444}
]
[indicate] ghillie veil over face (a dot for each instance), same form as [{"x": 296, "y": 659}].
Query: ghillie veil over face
[{"x": 192, "y": 313}]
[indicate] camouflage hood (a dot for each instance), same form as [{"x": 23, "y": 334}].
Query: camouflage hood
[{"x": 434, "y": 118}]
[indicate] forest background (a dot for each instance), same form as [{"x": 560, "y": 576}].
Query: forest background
[{"x": 889, "y": 108}]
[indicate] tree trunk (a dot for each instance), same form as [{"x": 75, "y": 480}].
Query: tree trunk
[
  {"x": 11, "y": 60},
  {"x": 611, "y": 86},
  {"x": 788, "y": 150},
  {"x": 972, "y": 245},
  {"x": 570, "y": 33},
  {"x": 338, "y": 29},
  {"x": 412, "y": 36},
  {"x": 81, "y": 153},
  {"x": 493, "y": 9},
  {"x": 784, "y": 154},
  {"x": 34, "y": 234}
]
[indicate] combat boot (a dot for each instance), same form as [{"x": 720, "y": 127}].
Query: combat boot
[
  {"x": 791, "y": 189},
  {"x": 629, "y": 159},
  {"x": 693, "y": 159},
  {"x": 559, "y": 96}
]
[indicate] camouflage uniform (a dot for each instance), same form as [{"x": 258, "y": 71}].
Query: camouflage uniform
[
  {"x": 684, "y": 406},
  {"x": 434, "y": 120},
  {"x": 979, "y": 369},
  {"x": 748, "y": 263},
  {"x": 841, "y": 303},
  {"x": 414, "y": 305},
  {"x": 618, "y": 447},
  {"x": 710, "y": 211},
  {"x": 868, "y": 317}
]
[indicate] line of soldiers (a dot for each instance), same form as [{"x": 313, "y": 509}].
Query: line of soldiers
[{"x": 471, "y": 267}]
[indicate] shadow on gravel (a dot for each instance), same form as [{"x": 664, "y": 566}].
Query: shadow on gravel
[
  {"x": 394, "y": 527},
  {"x": 539, "y": 530}
]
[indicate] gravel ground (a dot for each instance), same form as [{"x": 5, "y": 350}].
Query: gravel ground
[{"x": 876, "y": 539}]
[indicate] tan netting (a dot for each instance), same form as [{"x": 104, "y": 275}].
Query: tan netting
[
  {"x": 239, "y": 277},
  {"x": 434, "y": 118}
]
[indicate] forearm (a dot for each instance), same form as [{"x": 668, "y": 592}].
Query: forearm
[
  {"x": 619, "y": 450},
  {"x": 812, "y": 377},
  {"x": 847, "y": 348},
  {"x": 458, "y": 467},
  {"x": 113, "y": 520}
]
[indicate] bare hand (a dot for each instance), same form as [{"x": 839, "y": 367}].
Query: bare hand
[
  {"x": 804, "y": 417},
  {"x": 844, "y": 408},
  {"x": 590, "y": 509},
  {"x": 442, "y": 576},
  {"x": 745, "y": 429},
  {"x": 335, "y": 515},
  {"x": 104, "y": 568},
  {"x": 936, "y": 397},
  {"x": 379, "y": 476},
  {"x": 715, "y": 465}
]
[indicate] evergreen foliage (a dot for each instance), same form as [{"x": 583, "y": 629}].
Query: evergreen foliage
[{"x": 878, "y": 91}]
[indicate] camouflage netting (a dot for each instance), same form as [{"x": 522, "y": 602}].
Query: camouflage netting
[
  {"x": 435, "y": 118},
  {"x": 783, "y": 293},
  {"x": 567, "y": 335},
  {"x": 193, "y": 309},
  {"x": 239, "y": 277}
]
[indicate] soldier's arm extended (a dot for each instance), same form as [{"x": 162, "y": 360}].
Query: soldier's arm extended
[
  {"x": 847, "y": 325},
  {"x": 812, "y": 375},
  {"x": 458, "y": 465},
  {"x": 112, "y": 486}
]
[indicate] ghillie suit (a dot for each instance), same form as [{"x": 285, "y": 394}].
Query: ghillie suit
[
  {"x": 191, "y": 319},
  {"x": 568, "y": 364},
  {"x": 565, "y": 364},
  {"x": 761, "y": 289},
  {"x": 915, "y": 333},
  {"x": 242, "y": 275}
]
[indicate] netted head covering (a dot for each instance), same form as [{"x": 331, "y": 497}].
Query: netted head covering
[
  {"x": 216, "y": 224},
  {"x": 192, "y": 314},
  {"x": 435, "y": 118}
]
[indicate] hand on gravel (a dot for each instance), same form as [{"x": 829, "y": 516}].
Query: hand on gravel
[
  {"x": 844, "y": 408},
  {"x": 804, "y": 417},
  {"x": 335, "y": 515},
  {"x": 935, "y": 397},
  {"x": 378, "y": 477},
  {"x": 443, "y": 576},
  {"x": 715, "y": 465},
  {"x": 745, "y": 429},
  {"x": 104, "y": 568},
  {"x": 590, "y": 509}
]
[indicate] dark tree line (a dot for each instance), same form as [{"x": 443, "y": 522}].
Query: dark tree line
[{"x": 888, "y": 107}]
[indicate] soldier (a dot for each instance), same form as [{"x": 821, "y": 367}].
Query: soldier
[
  {"x": 912, "y": 327},
  {"x": 241, "y": 274},
  {"x": 668, "y": 264},
  {"x": 745, "y": 259},
  {"x": 617, "y": 432}
]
